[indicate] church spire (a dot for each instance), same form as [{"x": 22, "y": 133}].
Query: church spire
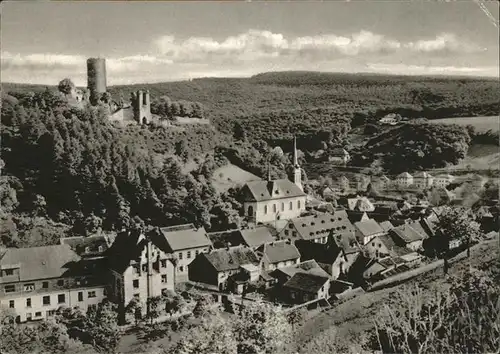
[
  {"x": 295, "y": 157},
  {"x": 269, "y": 171}
]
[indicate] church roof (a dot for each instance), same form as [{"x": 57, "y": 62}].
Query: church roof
[{"x": 275, "y": 189}]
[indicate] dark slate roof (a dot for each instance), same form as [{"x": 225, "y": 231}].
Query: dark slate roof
[
  {"x": 222, "y": 239},
  {"x": 338, "y": 152},
  {"x": 306, "y": 282},
  {"x": 355, "y": 216},
  {"x": 276, "y": 189},
  {"x": 347, "y": 242},
  {"x": 183, "y": 237},
  {"x": 420, "y": 226},
  {"x": 256, "y": 237},
  {"x": 322, "y": 253},
  {"x": 322, "y": 224},
  {"x": 87, "y": 246},
  {"x": 406, "y": 233},
  {"x": 279, "y": 251},
  {"x": 231, "y": 259},
  {"x": 39, "y": 262},
  {"x": 368, "y": 227},
  {"x": 339, "y": 286},
  {"x": 128, "y": 247}
]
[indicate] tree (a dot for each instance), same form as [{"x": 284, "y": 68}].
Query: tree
[
  {"x": 239, "y": 133},
  {"x": 457, "y": 320},
  {"x": 134, "y": 308},
  {"x": 297, "y": 317},
  {"x": 457, "y": 224},
  {"x": 262, "y": 328},
  {"x": 154, "y": 308},
  {"x": 205, "y": 306},
  {"x": 66, "y": 86},
  {"x": 212, "y": 335}
]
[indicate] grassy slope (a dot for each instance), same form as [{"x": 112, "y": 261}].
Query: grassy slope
[
  {"x": 481, "y": 124},
  {"x": 351, "y": 319}
]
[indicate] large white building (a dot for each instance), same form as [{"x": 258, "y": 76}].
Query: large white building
[
  {"x": 271, "y": 200},
  {"x": 423, "y": 180},
  {"x": 37, "y": 281},
  {"x": 404, "y": 180}
]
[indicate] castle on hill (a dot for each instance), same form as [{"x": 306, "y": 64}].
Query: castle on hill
[{"x": 137, "y": 110}]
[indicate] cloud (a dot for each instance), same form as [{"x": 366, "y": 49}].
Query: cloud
[
  {"x": 443, "y": 43},
  {"x": 257, "y": 51},
  {"x": 258, "y": 44}
]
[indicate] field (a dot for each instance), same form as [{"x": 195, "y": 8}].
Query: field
[{"x": 481, "y": 124}]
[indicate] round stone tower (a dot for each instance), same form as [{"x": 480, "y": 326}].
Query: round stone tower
[{"x": 96, "y": 78}]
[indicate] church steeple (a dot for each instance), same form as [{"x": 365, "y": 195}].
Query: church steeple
[{"x": 297, "y": 171}]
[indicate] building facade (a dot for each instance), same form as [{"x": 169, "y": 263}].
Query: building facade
[
  {"x": 37, "y": 281},
  {"x": 404, "y": 180},
  {"x": 423, "y": 180}
]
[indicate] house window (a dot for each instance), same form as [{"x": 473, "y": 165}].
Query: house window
[
  {"x": 181, "y": 269},
  {"x": 286, "y": 232},
  {"x": 163, "y": 278},
  {"x": 28, "y": 316},
  {"x": 10, "y": 288},
  {"x": 92, "y": 294},
  {"x": 274, "y": 208},
  {"x": 294, "y": 233},
  {"x": 188, "y": 254},
  {"x": 38, "y": 314},
  {"x": 28, "y": 302},
  {"x": 80, "y": 296},
  {"x": 196, "y": 253},
  {"x": 12, "y": 304},
  {"x": 144, "y": 267},
  {"x": 164, "y": 263},
  {"x": 136, "y": 283},
  {"x": 60, "y": 282},
  {"x": 46, "y": 300},
  {"x": 61, "y": 299},
  {"x": 45, "y": 284},
  {"x": 137, "y": 296},
  {"x": 298, "y": 204},
  {"x": 180, "y": 255},
  {"x": 290, "y": 206},
  {"x": 265, "y": 209},
  {"x": 282, "y": 206},
  {"x": 9, "y": 272},
  {"x": 164, "y": 291},
  {"x": 136, "y": 269},
  {"x": 29, "y": 287}
]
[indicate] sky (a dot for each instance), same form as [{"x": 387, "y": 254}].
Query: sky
[{"x": 44, "y": 42}]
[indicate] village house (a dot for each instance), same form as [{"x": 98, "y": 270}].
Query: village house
[
  {"x": 366, "y": 230},
  {"x": 335, "y": 257},
  {"x": 355, "y": 216},
  {"x": 339, "y": 155},
  {"x": 360, "y": 204},
  {"x": 343, "y": 184},
  {"x": 317, "y": 227},
  {"x": 36, "y": 281},
  {"x": 141, "y": 267},
  {"x": 278, "y": 254},
  {"x": 443, "y": 180},
  {"x": 386, "y": 225},
  {"x": 218, "y": 266},
  {"x": 252, "y": 237},
  {"x": 282, "y": 275},
  {"x": 304, "y": 287},
  {"x": 88, "y": 247},
  {"x": 379, "y": 269},
  {"x": 406, "y": 236},
  {"x": 423, "y": 180},
  {"x": 382, "y": 183},
  {"x": 404, "y": 180},
  {"x": 272, "y": 200},
  {"x": 390, "y": 119},
  {"x": 185, "y": 242}
]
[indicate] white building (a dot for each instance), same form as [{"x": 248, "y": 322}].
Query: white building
[
  {"x": 404, "y": 180},
  {"x": 423, "y": 180},
  {"x": 443, "y": 180},
  {"x": 37, "y": 281}
]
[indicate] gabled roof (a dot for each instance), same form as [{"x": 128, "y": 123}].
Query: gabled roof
[
  {"x": 257, "y": 236},
  {"x": 369, "y": 227},
  {"x": 406, "y": 233},
  {"x": 339, "y": 152},
  {"x": 404, "y": 175},
  {"x": 181, "y": 237},
  {"x": 394, "y": 250},
  {"x": 386, "y": 225},
  {"x": 310, "y": 266},
  {"x": 39, "y": 262},
  {"x": 306, "y": 282},
  {"x": 271, "y": 190},
  {"x": 355, "y": 215},
  {"x": 420, "y": 226},
  {"x": 279, "y": 251},
  {"x": 231, "y": 259},
  {"x": 322, "y": 224},
  {"x": 127, "y": 247}
]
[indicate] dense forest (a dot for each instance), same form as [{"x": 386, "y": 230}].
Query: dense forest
[{"x": 68, "y": 170}]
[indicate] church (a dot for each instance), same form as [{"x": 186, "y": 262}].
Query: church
[{"x": 270, "y": 200}]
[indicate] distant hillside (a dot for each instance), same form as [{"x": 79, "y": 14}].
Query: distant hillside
[{"x": 274, "y": 106}]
